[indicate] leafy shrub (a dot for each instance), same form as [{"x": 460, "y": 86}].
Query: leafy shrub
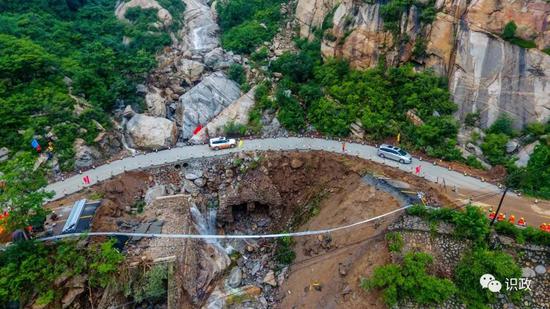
[
  {"x": 260, "y": 55},
  {"x": 472, "y": 119},
  {"x": 534, "y": 179},
  {"x": 285, "y": 254},
  {"x": 234, "y": 129},
  {"x": 395, "y": 241},
  {"x": 291, "y": 115},
  {"x": 509, "y": 31},
  {"x": 246, "y": 24},
  {"x": 22, "y": 192},
  {"x": 245, "y": 37},
  {"x": 503, "y": 125},
  {"x": 469, "y": 223},
  {"x": 142, "y": 17},
  {"x": 236, "y": 73},
  {"x": 419, "y": 49},
  {"x": 523, "y": 43},
  {"x": 477, "y": 263},
  {"x": 410, "y": 280},
  {"x": 30, "y": 268},
  {"x": 494, "y": 148},
  {"x": 509, "y": 34},
  {"x": 150, "y": 285},
  {"x": 472, "y": 161}
]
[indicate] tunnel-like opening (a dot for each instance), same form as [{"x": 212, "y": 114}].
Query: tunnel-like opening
[{"x": 249, "y": 209}]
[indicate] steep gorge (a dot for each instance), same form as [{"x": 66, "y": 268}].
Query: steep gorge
[{"x": 486, "y": 74}]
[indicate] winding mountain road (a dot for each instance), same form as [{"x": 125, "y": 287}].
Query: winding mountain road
[
  {"x": 429, "y": 171},
  {"x": 483, "y": 193}
]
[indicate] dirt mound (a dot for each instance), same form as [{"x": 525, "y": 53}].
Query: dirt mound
[{"x": 119, "y": 195}]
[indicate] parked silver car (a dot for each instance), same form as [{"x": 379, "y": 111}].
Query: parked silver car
[{"x": 394, "y": 153}]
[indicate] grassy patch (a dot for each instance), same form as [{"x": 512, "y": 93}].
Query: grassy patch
[
  {"x": 284, "y": 253},
  {"x": 395, "y": 241}
]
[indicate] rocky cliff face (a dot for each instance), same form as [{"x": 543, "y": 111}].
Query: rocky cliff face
[{"x": 487, "y": 74}]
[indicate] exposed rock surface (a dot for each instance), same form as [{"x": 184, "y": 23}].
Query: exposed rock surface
[
  {"x": 205, "y": 101},
  {"x": 153, "y": 193},
  {"x": 200, "y": 32},
  {"x": 190, "y": 70},
  {"x": 4, "y": 153},
  {"x": 85, "y": 156},
  {"x": 156, "y": 104},
  {"x": 255, "y": 187},
  {"x": 151, "y": 132},
  {"x": 525, "y": 154},
  {"x": 236, "y": 112},
  {"x": 217, "y": 59},
  {"x": 487, "y": 75},
  {"x": 492, "y": 76}
]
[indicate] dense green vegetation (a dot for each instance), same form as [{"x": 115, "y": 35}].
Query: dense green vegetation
[
  {"x": 534, "y": 179},
  {"x": 82, "y": 52},
  {"x": 528, "y": 234},
  {"x": 410, "y": 280},
  {"x": 475, "y": 264},
  {"x": 145, "y": 283},
  {"x": 470, "y": 223},
  {"x": 21, "y": 190},
  {"x": 32, "y": 268},
  {"x": 331, "y": 96},
  {"x": 246, "y": 24}
]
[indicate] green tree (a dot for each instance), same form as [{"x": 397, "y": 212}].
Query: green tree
[
  {"x": 474, "y": 265},
  {"x": 22, "y": 192},
  {"x": 410, "y": 280},
  {"x": 503, "y": 125},
  {"x": 509, "y": 31},
  {"x": 31, "y": 268},
  {"x": 536, "y": 178},
  {"x": 494, "y": 148}
]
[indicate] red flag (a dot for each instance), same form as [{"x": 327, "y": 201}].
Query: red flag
[
  {"x": 197, "y": 129},
  {"x": 86, "y": 179},
  {"x": 417, "y": 169}
]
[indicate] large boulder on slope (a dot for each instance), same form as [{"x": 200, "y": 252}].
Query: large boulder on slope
[
  {"x": 151, "y": 132},
  {"x": 205, "y": 101},
  {"x": 190, "y": 70}
]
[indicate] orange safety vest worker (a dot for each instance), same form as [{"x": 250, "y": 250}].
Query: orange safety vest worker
[
  {"x": 501, "y": 217},
  {"x": 543, "y": 227},
  {"x": 512, "y": 219},
  {"x": 521, "y": 222},
  {"x": 492, "y": 215}
]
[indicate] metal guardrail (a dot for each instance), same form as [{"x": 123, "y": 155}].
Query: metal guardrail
[{"x": 74, "y": 216}]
